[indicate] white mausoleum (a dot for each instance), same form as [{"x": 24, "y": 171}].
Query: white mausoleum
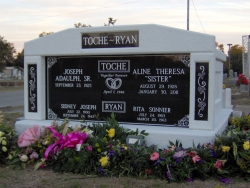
[{"x": 209, "y": 105}]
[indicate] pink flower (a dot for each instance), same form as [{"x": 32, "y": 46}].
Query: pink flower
[
  {"x": 29, "y": 136},
  {"x": 192, "y": 153},
  {"x": 219, "y": 163},
  {"x": 88, "y": 148},
  {"x": 196, "y": 158},
  {"x": 34, "y": 155},
  {"x": 154, "y": 156}
]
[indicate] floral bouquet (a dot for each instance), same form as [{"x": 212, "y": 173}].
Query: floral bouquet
[{"x": 242, "y": 80}]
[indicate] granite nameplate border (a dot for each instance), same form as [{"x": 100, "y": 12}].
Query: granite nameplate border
[
  {"x": 201, "y": 91},
  {"x": 110, "y": 40},
  {"x": 32, "y": 88},
  {"x": 139, "y": 89}
]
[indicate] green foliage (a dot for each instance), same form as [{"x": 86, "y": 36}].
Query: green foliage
[
  {"x": 19, "y": 60},
  {"x": 7, "y": 51},
  {"x": 236, "y": 58}
]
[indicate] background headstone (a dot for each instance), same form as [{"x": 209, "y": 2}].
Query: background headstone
[
  {"x": 235, "y": 74},
  {"x": 231, "y": 74},
  {"x": 225, "y": 76},
  {"x": 19, "y": 75}
]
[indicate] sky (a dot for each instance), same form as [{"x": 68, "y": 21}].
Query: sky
[{"x": 24, "y": 20}]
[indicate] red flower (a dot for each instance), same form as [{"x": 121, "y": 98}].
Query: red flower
[
  {"x": 242, "y": 80},
  {"x": 148, "y": 171}
]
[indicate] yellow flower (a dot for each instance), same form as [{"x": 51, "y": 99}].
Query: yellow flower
[
  {"x": 246, "y": 145},
  {"x": 223, "y": 86},
  {"x": 111, "y": 132},
  {"x": 125, "y": 147},
  {"x": 104, "y": 161},
  {"x": 225, "y": 149}
]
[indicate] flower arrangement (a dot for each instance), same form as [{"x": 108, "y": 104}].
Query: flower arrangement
[
  {"x": 242, "y": 80},
  {"x": 101, "y": 149}
]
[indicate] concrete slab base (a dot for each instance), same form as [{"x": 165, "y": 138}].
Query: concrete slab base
[{"x": 158, "y": 135}]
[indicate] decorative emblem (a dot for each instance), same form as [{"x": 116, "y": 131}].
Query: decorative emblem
[
  {"x": 51, "y": 61},
  {"x": 185, "y": 59},
  {"x": 184, "y": 122},
  {"x": 113, "y": 83},
  {"x": 51, "y": 114}
]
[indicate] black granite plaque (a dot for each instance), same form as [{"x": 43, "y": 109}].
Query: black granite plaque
[
  {"x": 110, "y": 40},
  {"x": 148, "y": 89},
  {"x": 201, "y": 91},
  {"x": 32, "y": 88}
]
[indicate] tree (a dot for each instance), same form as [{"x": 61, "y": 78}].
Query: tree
[
  {"x": 45, "y": 34},
  {"x": 7, "y": 51},
  {"x": 77, "y": 25},
  {"x": 219, "y": 46},
  {"x": 19, "y": 60},
  {"x": 236, "y": 58}
]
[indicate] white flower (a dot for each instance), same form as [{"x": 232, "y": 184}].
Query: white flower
[
  {"x": 88, "y": 131},
  {"x": 24, "y": 158}
]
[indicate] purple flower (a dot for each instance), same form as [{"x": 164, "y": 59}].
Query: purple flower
[
  {"x": 89, "y": 148},
  {"x": 162, "y": 159},
  {"x": 102, "y": 171},
  {"x": 178, "y": 160},
  {"x": 212, "y": 152},
  {"x": 190, "y": 179},
  {"x": 179, "y": 154},
  {"x": 168, "y": 175},
  {"x": 153, "y": 147},
  {"x": 225, "y": 180},
  {"x": 156, "y": 163},
  {"x": 111, "y": 154}
]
